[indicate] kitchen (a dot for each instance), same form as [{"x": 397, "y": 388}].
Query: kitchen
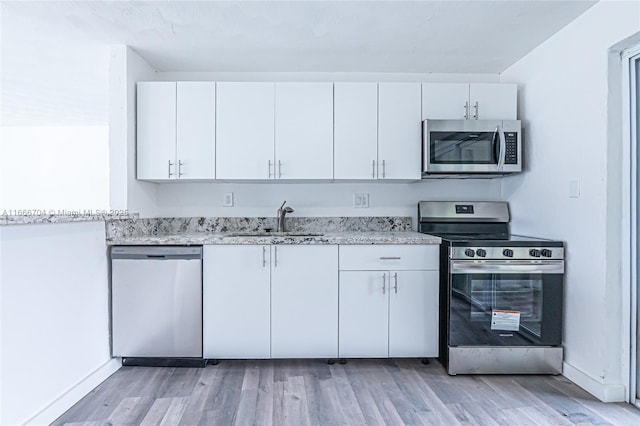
[{"x": 559, "y": 115}]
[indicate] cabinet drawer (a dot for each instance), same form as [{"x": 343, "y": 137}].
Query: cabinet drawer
[{"x": 389, "y": 257}]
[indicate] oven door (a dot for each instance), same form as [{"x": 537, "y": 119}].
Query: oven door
[{"x": 498, "y": 303}]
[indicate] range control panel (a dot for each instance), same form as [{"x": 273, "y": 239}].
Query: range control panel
[
  {"x": 507, "y": 253},
  {"x": 511, "y": 143}
]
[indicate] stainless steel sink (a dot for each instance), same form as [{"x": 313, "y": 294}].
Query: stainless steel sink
[{"x": 274, "y": 234}]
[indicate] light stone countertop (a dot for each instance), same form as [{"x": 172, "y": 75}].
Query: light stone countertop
[
  {"x": 33, "y": 217},
  {"x": 343, "y": 238}
]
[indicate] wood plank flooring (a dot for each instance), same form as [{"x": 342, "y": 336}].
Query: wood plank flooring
[{"x": 362, "y": 392}]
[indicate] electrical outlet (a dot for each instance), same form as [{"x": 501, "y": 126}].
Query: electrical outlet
[
  {"x": 361, "y": 200},
  {"x": 227, "y": 199}
]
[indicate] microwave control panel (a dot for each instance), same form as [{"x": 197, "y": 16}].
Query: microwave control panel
[{"x": 511, "y": 144}]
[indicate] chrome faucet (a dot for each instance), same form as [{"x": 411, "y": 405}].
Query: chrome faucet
[{"x": 282, "y": 211}]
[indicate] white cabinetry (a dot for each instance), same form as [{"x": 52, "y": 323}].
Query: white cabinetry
[
  {"x": 399, "y": 131},
  {"x": 245, "y": 130},
  {"x": 475, "y": 101},
  {"x": 388, "y": 301},
  {"x": 278, "y": 301},
  {"x": 304, "y": 131},
  {"x": 176, "y": 130},
  {"x": 304, "y": 301},
  {"x": 236, "y": 299},
  {"x": 355, "y": 130}
]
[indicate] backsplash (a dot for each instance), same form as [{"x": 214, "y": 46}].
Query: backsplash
[{"x": 118, "y": 228}]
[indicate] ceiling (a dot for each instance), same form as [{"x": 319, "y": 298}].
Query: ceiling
[{"x": 55, "y": 52}]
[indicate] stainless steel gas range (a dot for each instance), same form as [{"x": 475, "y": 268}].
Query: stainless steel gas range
[{"x": 500, "y": 294}]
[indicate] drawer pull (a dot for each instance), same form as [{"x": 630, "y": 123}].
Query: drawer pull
[
  {"x": 390, "y": 258},
  {"x": 384, "y": 283}
]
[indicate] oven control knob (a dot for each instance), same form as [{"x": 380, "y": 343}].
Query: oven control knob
[
  {"x": 481, "y": 252},
  {"x": 507, "y": 252},
  {"x": 469, "y": 252},
  {"x": 546, "y": 252},
  {"x": 534, "y": 252}
]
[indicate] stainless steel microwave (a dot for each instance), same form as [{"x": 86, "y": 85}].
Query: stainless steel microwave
[{"x": 482, "y": 147}]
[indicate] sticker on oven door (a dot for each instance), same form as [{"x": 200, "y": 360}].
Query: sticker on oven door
[{"x": 505, "y": 320}]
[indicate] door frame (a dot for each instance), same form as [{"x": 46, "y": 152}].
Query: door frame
[{"x": 630, "y": 185}]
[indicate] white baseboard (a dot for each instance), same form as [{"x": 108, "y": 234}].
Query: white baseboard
[
  {"x": 604, "y": 392},
  {"x": 54, "y": 410}
]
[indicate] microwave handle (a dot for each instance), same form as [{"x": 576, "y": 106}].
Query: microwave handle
[{"x": 503, "y": 148}]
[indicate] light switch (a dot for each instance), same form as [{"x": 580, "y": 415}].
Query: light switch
[
  {"x": 574, "y": 188},
  {"x": 361, "y": 200},
  {"x": 227, "y": 199}
]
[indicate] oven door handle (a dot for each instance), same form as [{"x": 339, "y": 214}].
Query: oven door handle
[{"x": 513, "y": 267}]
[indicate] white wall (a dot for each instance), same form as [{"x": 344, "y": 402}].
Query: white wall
[
  {"x": 563, "y": 101},
  {"x": 126, "y": 67},
  {"x": 54, "y": 167},
  {"x": 317, "y": 199},
  {"x": 54, "y": 318}
]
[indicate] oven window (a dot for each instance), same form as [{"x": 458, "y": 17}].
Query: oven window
[
  {"x": 463, "y": 148},
  {"x": 502, "y": 309}
]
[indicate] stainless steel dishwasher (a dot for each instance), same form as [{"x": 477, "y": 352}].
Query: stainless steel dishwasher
[{"x": 156, "y": 303}]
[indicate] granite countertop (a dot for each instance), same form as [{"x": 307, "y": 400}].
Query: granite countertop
[
  {"x": 343, "y": 238},
  {"x": 31, "y": 217}
]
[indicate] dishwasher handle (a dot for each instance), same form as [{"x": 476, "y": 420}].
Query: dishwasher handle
[{"x": 156, "y": 253}]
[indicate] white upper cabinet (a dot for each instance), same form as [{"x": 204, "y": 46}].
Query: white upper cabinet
[
  {"x": 445, "y": 101},
  {"x": 304, "y": 131},
  {"x": 195, "y": 132},
  {"x": 175, "y": 130},
  {"x": 490, "y": 101},
  {"x": 355, "y": 130},
  {"x": 399, "y": 131},
  {"x": 475, "y": 101},
  {"x": 245, "y": 131},
  {"x": 156, "y": 130}
]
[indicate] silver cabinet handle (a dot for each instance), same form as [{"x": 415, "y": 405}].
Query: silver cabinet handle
[
  {"x": 475, "y": 107},
  {"x": 466, "y": 110},
  {"x": 395, "y": 279},
  {"x": 170, "y": 164},
  {"x": 373, "y": 169},
  {"x": 390, "y": 258},
  {"x": 264, "y": 256},
  {"x": 180, "y": 168},
  {"x": 270, "y": 169},
  {"x": 384, "y": 169},
  {"x": 275, "y": 256},
  {"x": 279, "y": 169},
  {"x": 384, "y": 283}
]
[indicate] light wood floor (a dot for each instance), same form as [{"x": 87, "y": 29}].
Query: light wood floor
[{"x": 362, "y": 392}]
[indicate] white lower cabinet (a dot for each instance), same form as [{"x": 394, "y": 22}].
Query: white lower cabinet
[
  {"x": 364, "y": 314},
  {"x": 236, "y": 293},
  {"x": 304, "y": 301},
  {"x": 388, "y": 312},
  {"x": 291, "y": 301},
  {"x": 262, "y": 301},
  {"x": 413, "y": 314}
]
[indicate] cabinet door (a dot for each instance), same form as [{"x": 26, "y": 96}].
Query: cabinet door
[
  {"x": 196, "y": 130},
  {"x": 304, "y": 301},
  {"x": 363, "y": 315},
  {"x": 304, "y": 130},
  {"x": 156, "y": 130},
  {"x": 413, "y": 314},
  {"x": 445, "y": 101},
  {"x": 399, "y": 131},
  {"x": 355, "y": 130},
  {"x": 236, "y": 296},
  {"x": 495, "y": 101},
  {"x": 245, "y": 131}
]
